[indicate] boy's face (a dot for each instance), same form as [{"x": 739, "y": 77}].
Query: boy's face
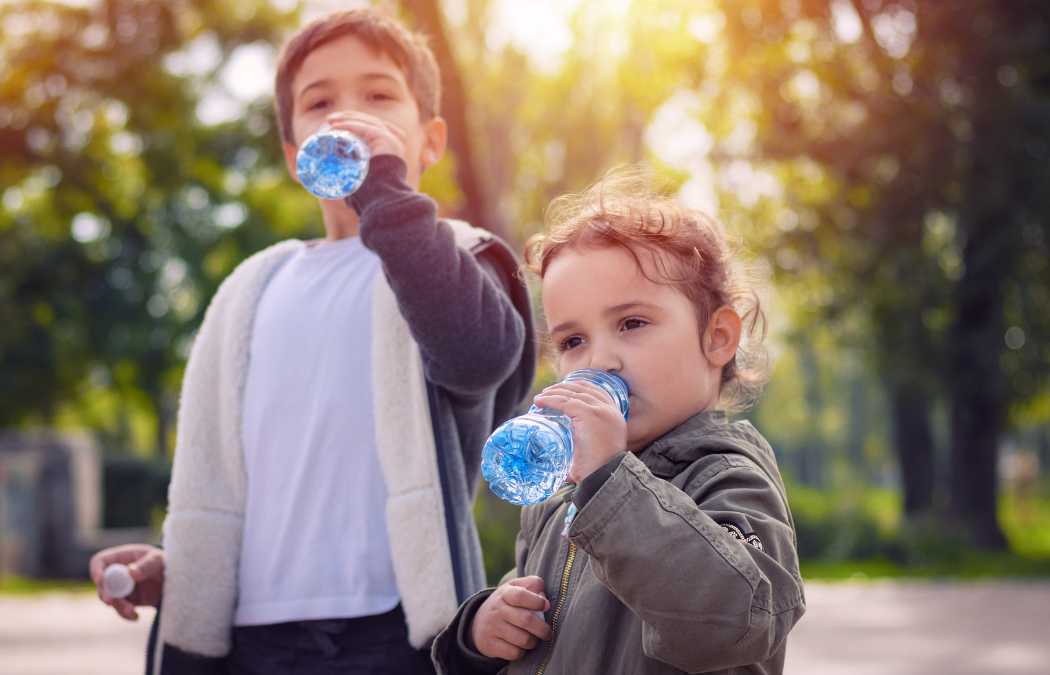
[
  {"x": 343, "y": 75},
  {"x": 603, "y": 313}
]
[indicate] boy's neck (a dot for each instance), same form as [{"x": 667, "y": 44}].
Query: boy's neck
[{"x": 340, "y": 221}]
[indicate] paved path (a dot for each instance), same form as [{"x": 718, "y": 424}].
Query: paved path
[
  {"x": 923, "y": 628},
  {"x": 878, "y": 628},
  {"x": 69, "y": 634}
]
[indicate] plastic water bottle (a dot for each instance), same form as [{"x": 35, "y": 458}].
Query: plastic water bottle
[
  {"x": 117, "y": 581},
  {"x": 332, "y": 163},
  {"x": 527, "y": 458}
]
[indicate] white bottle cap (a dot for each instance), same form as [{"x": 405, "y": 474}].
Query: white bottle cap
[{"x": 117, "y": 581}]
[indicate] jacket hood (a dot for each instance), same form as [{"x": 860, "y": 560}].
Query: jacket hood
[{"x": 705, "y": 434}]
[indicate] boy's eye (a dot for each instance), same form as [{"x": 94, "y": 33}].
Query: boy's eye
[
  {"x": 631, "y": 324},
  {"x": 318, "y": 104},
  {"x": 380, "y": 96}
]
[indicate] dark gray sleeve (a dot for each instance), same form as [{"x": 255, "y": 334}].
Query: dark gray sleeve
[
  {"x": 452, "y": 652},
  {"x": 461, "y": 315}
]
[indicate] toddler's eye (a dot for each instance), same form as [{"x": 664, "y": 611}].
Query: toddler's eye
[
  {"x": 631, "y": 324},
  {"x": 380, "y": 96},
  {"x": 319, "y": 104},
  {"x": 569, "y": 343}
]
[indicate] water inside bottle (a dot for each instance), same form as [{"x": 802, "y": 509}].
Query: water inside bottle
[
  {"x": 332, "y": 163},
  {"x": 527, "y": 458}
]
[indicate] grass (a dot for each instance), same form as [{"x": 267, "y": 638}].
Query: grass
[
  {"x": 860, "y": 533},
  {"x": 16, "y": 585}
]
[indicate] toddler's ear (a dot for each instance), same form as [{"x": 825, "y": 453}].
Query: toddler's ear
[{"x": 722, "y": 337}]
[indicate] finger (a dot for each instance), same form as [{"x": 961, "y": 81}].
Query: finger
[
  {"x": 125, "y": 609},
  {"x": 572, "y": 403},
  {"x": 149, "y": 566},
  {"x": 578, "y": 390},
  {"x": 532, "y": 583},
  {"x": 516, "y": 636},
  {"x": 364, "y": 119},
  {"x": 371, "y": 129},
  {"x": 502, "y": 649},
  {"x": 526, "y": 599},
  {"x": 532, "y": 622}
]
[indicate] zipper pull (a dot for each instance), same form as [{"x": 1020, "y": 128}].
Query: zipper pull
[{"x": 568, "y": 521}]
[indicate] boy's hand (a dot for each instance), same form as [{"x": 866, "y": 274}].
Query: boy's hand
[
  {"x": 505, "y": 627},
  {"x": 599, "y": 430},
  {"x": 146, "y": 565},
  {"x": 383, "y": 138}
]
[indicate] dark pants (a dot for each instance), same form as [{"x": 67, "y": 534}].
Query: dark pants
[{"x": 368, "y": 645}]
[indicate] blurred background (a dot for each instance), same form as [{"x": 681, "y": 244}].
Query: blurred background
[{"x": 886, "y": 164}]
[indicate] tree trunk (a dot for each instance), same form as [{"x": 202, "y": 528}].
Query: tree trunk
[
  {"x": 974, "y": 484},
  {"x": 976, "y": 383},
  {"x": 813, "y": 458},
  {"x": 478, "y": 208},
  {"x": 914, "y": 444}
]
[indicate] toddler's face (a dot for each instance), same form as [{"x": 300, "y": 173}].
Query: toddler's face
[{"x": 604, "y": 313}]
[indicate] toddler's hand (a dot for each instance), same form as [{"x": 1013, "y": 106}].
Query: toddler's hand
[
  {"x": 146, "y": 565},
  {"x": 504, "y": 626},
  {"x": 382, "y": 137},
  {"x": 599, "y": 430}
]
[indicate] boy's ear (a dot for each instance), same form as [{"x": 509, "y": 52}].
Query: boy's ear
[
  {"x": 290, "y": 151},
  {"x": 435, "y": 138},
  {"x": 722, "y": 337}
]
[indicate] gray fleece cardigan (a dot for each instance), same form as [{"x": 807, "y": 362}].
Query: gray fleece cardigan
[{"x": 452, "y": 354}]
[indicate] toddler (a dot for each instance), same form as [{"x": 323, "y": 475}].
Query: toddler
[{"x": 671, "y": 548}]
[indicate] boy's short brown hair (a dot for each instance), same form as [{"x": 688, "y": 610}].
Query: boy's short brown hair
[{"x": 380, "y": 32}]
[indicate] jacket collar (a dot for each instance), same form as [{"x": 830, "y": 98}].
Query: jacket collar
[{"x": 706, "y": 433}]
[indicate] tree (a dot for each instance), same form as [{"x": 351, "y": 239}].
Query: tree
[
  {"x": 926, "y": 126},
  {"x": 123, "y": 210}
]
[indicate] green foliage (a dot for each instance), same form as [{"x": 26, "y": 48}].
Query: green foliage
[
  {"x": 498, "y": 525},
  {"x": 911, "y": 149},
  {"x": 123, "y": 210},
  {"x": 860, "y": 531}
]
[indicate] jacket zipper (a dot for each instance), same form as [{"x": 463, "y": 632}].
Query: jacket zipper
[{"x": 557, "y": 610}]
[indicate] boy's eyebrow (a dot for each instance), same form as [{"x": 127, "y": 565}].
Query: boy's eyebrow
[
  {"x": 618, "y": 309},
  {"x": 325, "y": 82}
]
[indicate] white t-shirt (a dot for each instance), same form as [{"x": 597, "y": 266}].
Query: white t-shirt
[{"x": 315, "y": 541}]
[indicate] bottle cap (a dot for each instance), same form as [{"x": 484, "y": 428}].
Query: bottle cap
[{"x": 117, "y": 581}]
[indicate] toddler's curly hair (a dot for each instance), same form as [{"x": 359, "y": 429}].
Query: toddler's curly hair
[{"x": 674, "y": 245}]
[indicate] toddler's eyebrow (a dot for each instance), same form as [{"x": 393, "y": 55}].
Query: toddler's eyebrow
[
  {"x": 618, "y": 309},
  {"x": 637, "y": 304}
]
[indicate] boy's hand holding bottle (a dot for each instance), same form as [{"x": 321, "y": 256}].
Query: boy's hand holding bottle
[
  {"x": 382, "y": 137},
  {"x": 510, "y": 621}
]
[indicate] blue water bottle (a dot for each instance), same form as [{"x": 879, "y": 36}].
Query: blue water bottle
[
  {"x": 527, "y": 458},
  {"x": 332, "y": 163}
]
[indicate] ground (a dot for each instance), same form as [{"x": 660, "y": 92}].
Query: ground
[{"x": 850, "y": 628}]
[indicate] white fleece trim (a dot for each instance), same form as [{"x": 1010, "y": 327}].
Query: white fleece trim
[
  {"x": 203, "y": 530},
  {"x": 415, "y": 510},
  {"x": 202, "y": 533}
]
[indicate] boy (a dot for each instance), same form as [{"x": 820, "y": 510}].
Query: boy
[{"x": 337, "y": 398}]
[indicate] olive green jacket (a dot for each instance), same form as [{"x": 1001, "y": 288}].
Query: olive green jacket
[{"x": 680, "y": 559}]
